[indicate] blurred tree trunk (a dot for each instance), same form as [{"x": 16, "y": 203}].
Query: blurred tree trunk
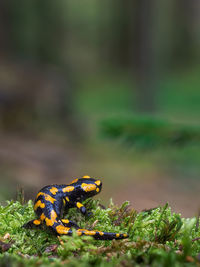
[
  {"x": 4, "y": 28},
  {"x": 33, "y": 44},
  {"x": 186, "y": 33},
  {"x": 120, "y": 41},
  {"x": 138, "y": 40},
  {"x": 151, "y": 46},
  {"x": 144, "y": 55},
  {"x": 131, "y": 45}
]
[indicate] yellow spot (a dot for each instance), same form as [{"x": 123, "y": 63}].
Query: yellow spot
[
  {"x": 39, "y": 204},
  {"x": 90, "y": 232},
  {"x": 85, "y": 232},
  {"x": 51, "y": 221},
  {"x": 53, "y": 190},
  {"x": 68, "y": 189},
  {"x": 125, "y": 235},
  {"x": 67, "y": 199},
  {"x": 86, "y": 176},
  {"x": 88, "y": 187},
  {"x": 80, "y": 231},
  {"x": 98, "y": 182},
  {"x": 37, "y": 222},
  {"x": 74, "y": 181},
  {"x": 62, "y": 230},
  {"x": 42, "y": 217},
  {"x": 64, "y": 202},
  {"x": 49, "y": 198},
  {"x": 101, "y": 233},
  {"x": 65, "y": 221},
  {"x": 79, "y": 205},
  {"x": 46, "y": 196},
  {"x": 97, "y": 190},
  {"x": 117, "y": 235}
]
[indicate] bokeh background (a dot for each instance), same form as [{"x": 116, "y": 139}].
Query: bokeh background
[{"x": 106, "y": 88}]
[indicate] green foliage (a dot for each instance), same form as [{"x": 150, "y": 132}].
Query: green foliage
[
  {"x": 158, "y": 237},
  {"x": 145, "y": 132}
]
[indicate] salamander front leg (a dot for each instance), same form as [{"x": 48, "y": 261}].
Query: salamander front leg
[
  {"x": 83, "y": 209},
  {"x": 59, "y": 229},
  {"x": 33, "y": 224}
]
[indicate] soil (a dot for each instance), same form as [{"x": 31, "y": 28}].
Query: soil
[{"x": 32, "y": 164}]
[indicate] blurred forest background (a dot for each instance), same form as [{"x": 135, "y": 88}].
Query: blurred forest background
[{"x": 107, "y": 88}]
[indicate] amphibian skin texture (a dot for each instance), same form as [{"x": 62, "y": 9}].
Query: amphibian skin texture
[{"x": 53, "y": 201}]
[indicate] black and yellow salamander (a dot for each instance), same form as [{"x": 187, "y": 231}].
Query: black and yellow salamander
[{"x": 53, "y": 201}]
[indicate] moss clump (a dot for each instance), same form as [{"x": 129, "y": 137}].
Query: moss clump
[
  {"x": 146, "y": 132},
  {"x": 158, "y": 237}
]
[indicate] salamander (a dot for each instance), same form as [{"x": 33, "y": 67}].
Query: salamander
[{"x": 53, "y": 201}]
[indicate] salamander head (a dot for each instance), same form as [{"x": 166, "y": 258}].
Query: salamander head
[{"x": 87, "y": 187}]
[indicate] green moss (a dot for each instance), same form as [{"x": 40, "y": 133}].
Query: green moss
[
  {"x": 158, "y": 237},
  {"x": 149, "y": 132}
]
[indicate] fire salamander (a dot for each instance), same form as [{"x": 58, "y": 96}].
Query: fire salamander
[{"x": 53, "y": 201}]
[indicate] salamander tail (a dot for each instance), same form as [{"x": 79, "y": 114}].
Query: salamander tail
[{"x": 101, "y": 235}]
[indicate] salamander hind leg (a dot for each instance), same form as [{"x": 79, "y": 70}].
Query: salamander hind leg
[
  {"x": 68, "y": 223},
  {"x": 59, "y": 229}
]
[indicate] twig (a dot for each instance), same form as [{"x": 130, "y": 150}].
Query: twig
[{"x": 196, "y": 239}]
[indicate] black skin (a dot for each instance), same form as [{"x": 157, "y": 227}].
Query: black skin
[{"x": 53, "y": 201}]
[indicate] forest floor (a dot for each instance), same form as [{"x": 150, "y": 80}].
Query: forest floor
[{"x": 144, "y": 182}]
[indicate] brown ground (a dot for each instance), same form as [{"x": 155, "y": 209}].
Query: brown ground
[{"x": 33, "y": 164}]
